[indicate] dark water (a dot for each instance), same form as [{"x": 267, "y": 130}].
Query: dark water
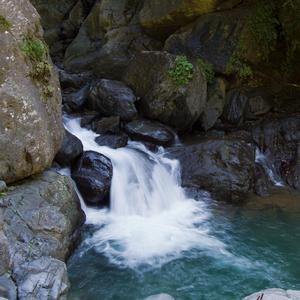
[{"x": 262, "y": 237}]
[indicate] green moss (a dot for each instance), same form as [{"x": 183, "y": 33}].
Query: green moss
[
  {"x": 4, "y": 24},
  {"x": 240, "y": 68},
  {"x": 37, "y": 52},
  {"x": 208, "y": 70},
  {"x": 182, "y": 72}
]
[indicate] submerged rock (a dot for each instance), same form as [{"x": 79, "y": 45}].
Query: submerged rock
[
  {"x": 149, "y": 131},
  {"x": 177, "y": 105},
  {"x": 30, "y": 110},
  {"x": 160, "y": 297},
  {"x": 275, "y": 294},
  {"x": 223, "y": 167},
  {"x": 71, "y": 149},
  {"x": 93, "y": 174},
  {"x": 113, "y": 98}
]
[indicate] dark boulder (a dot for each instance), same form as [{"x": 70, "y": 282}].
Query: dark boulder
[
  {"x": 223, "y": 167},
  {"x": 73, "y": 81},
  {"x": 88, "y": 118},
  {"x": 162, "y": 98},
  {"x": 93, "y": 174},
  {"x": 71, "y": 149},
  {"x": 149, "y": 131},
  {"x": 75, "y": 101},
  {"x": 106, "y": 125},
  {"x": 112, "y": 140},
  {"x": 215, "y": 104},
  {"x": 113, "y": 98}
]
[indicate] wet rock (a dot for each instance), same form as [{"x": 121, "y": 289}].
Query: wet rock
[
  {"x": 272, "y": 294},
  {"x": 150, "y": 131},
  {"x": 112, "y": 140},
  {"x": 106, "y": 125},
  {"x": 2, "y": 186},
  {"x": 161, "y": 98},
  {"x": 235, "y": 107},
  {"x": 44, "y": 278},
  {"x": 262, "y": 182},
  {"x": 88, "y": 118},
  {"x": 71, "y": 149},
  {"x": 75, "y": 101},
  {"x": 30, "y": 110},
  {"x": 160, "y": 19},
  {"x": 258, "y": 105},
  {"x": 223, "y": 167},
  {"x": 113, "y": 98},
  {"x": 93, "y": 174},
  {"x": 215, "y": 104},
  {"x": 8, "y": 289},
  {"x": 160, "y": 297}
]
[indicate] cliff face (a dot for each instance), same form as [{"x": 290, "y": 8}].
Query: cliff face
[{"x": 30, "y": 111}]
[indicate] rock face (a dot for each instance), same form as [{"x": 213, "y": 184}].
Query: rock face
[
  {"x": 38, "y": 220},
  {"x": 275, "y": 294},
  {"x": 93, "y": 175},
  {"x": 30, "y": 110},
  {"x": 160, "y": 18},
  {"x": 152, "y": 132},
  {"x": 161, "y": 98},
  {"x": 223, "y": 167},
  {"x": 113, "y": 98},
  {"x": 71, "y": 149}
]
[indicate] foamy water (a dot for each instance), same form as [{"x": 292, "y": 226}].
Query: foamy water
[{"x": 150, "y": 220}]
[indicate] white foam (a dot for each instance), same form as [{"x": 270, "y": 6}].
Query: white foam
[{"x": 150, "y": 220}]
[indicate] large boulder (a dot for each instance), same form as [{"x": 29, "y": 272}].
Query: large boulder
[
  {"x": 39, "y": 219},
  {"x": 30, "y": 110},
  {"x": 70, "y": 150},
  {"x": 275, "y": 294},
  {"x": 113, "y": 141},
  {"x": 113, "y": 98},
  {"x": 93, "y": 175},
  {"x": 225, "y": 167},
  {"x": 161, "y": 18},
  {"x": 107, "y": 40},
  {"x": 163, "y": 99},
  {"x": 44, "y": 278},
  {"x": 148, "y": 131}
]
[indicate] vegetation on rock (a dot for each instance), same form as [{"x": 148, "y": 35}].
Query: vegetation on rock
[
  {"x": 182, "y": 72},
  {"x": 4, "y": 24},
  {"x": 37, "y": 51},
  {"x": 207, "y": 69}
]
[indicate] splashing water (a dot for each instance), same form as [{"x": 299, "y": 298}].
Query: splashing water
[
  {"x": 269, "y": 167},
  {"x": 150, "y": 221}
]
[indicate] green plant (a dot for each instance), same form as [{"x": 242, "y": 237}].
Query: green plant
[
  {"x": 2, "y": 194},
  {"x": 182, "y": 72},
  {"x": 4, "y": 24},
  {"x": 236, "y": 66},
  {"x": 37, "y": 51},
  {"x": 208, "y": 70}
]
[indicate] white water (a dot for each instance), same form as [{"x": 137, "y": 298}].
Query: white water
[
  {"x": 150, "y": 221},
  {"x": 269, "y": 167}
]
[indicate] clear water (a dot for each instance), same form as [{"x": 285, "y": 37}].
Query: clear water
[{"x": 155, "y": 239}]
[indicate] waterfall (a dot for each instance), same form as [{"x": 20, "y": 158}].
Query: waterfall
[
  {"x": 269, "y": 167},
  {"x": 150, "y": 220}
]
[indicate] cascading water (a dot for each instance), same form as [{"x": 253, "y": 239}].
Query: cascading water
[
  {"x": 150, "y": 221},
  {"x": 269, "y": 167}
]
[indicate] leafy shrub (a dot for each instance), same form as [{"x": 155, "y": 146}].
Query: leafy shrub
[
  {"x": 208, "y": 70},
  {"x": 182, "y": 72}
]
